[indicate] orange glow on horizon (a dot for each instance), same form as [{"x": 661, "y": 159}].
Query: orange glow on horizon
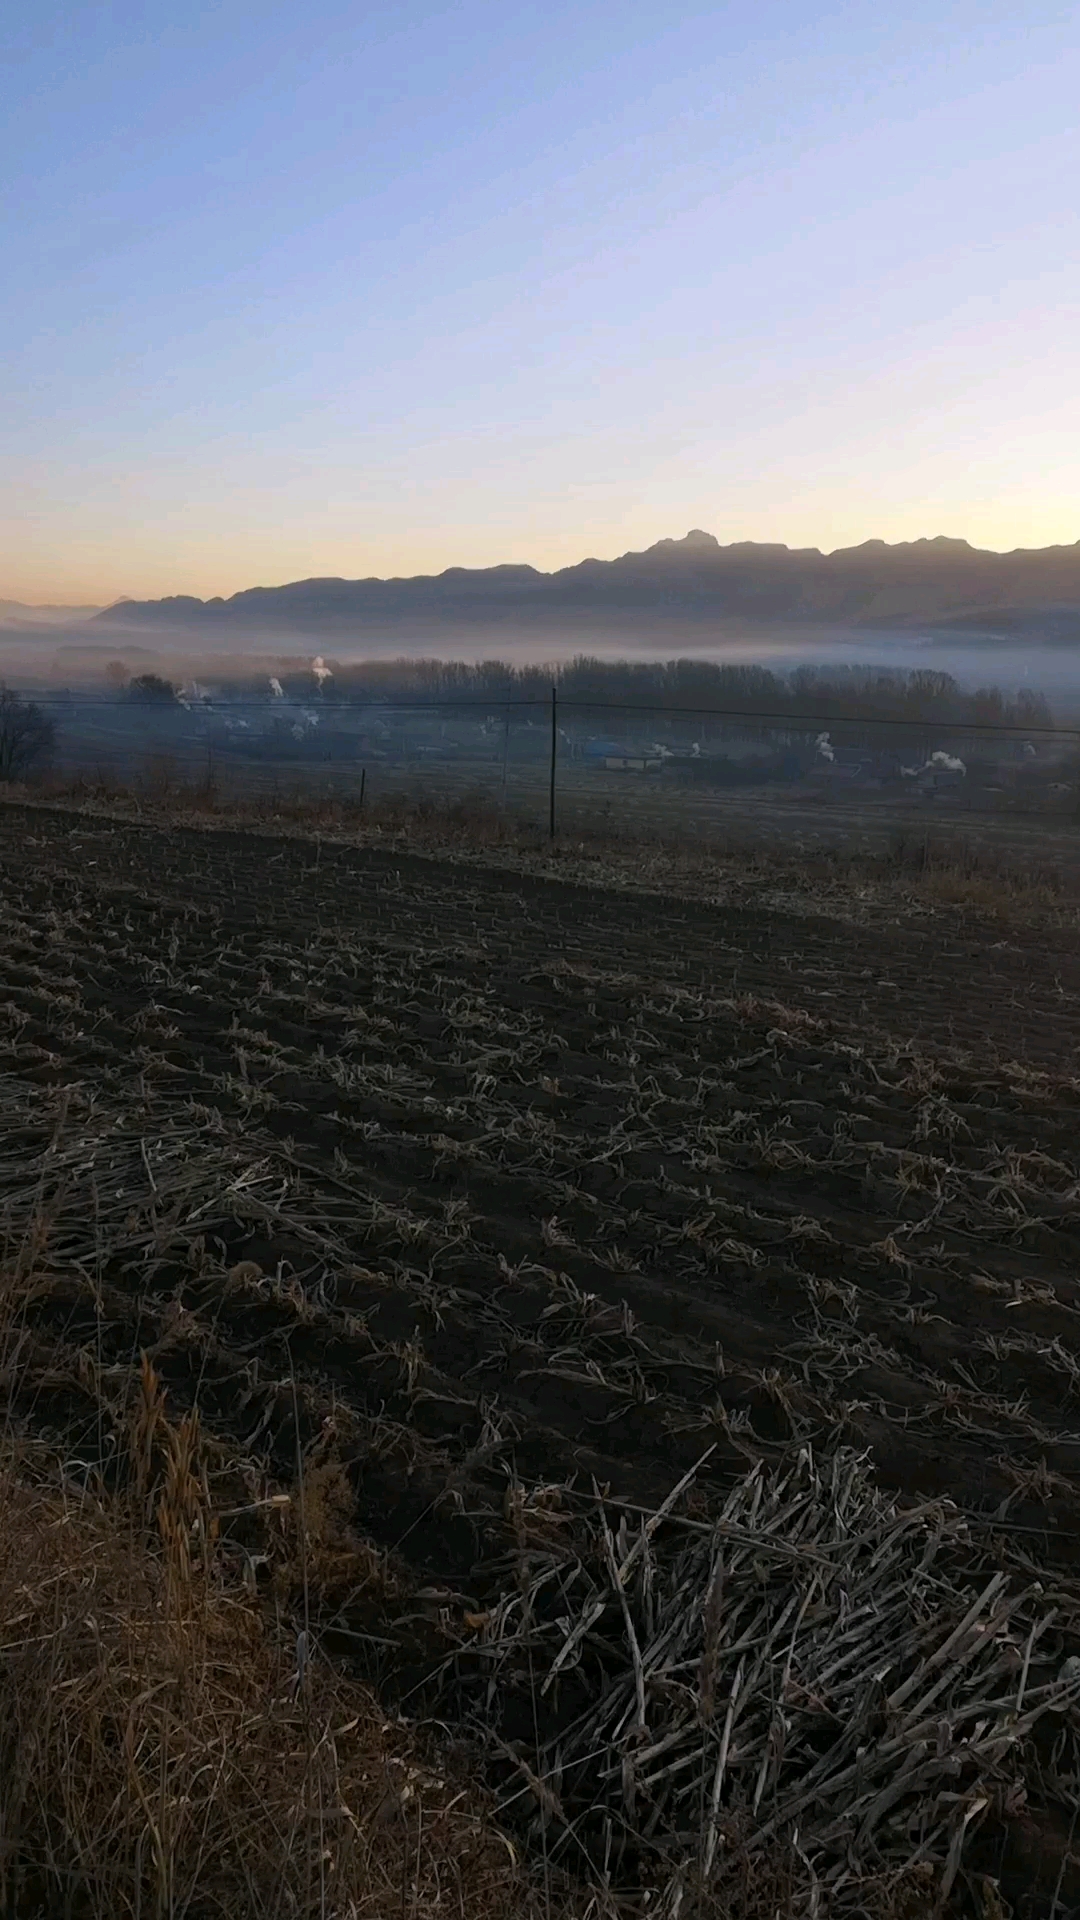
[{"x": 142, "y": 567}]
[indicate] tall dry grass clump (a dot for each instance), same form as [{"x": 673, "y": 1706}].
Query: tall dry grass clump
[{"x": 166, "y": 1751}]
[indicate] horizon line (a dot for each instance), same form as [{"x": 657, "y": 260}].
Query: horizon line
[{"x": 695, "y": 536}]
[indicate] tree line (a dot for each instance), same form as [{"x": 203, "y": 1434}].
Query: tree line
[
  {"x": 747, "y": 700},
  {"x": 666, "y": 686}
]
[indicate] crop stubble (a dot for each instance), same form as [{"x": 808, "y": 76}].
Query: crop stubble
[{"x": 521, "y": 1196}]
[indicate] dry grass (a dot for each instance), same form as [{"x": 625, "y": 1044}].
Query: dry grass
[
  {"x": 166, "y": 1751},
  {"x": 949, "y": 870},
  {"x": 813, "y": 1676},
  {"x": 928, "y": 871}
]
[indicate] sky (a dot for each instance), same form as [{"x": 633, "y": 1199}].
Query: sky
[{"x": 351, "y": 289}]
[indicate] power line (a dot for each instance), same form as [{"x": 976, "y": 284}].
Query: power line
[
  {"x": 822, "y": 719},
  {"x": 496, "y": 705}
]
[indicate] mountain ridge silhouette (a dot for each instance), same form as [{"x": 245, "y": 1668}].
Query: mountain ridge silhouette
[{"x": 938, "y": 578}]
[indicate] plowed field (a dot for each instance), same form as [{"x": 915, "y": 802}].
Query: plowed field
[{"x": 490, "y": 1180}]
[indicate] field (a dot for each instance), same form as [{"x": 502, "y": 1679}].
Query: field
[
  {"x": 514, "y": 1211},
  {"x": 1038, "y": 823}
]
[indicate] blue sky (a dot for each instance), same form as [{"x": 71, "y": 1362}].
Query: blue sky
[{"x": 326, "y": 289}]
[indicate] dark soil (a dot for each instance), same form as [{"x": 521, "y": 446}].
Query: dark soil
[{"x": 498, "y": 1178}]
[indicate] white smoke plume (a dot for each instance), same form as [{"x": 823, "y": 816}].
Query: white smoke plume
[
  {"x": 276, "y": 687},
  {"x": 825, "y": 747},
  {"x": 937, "y": 763},
  {"x": 320, "y": 669}
]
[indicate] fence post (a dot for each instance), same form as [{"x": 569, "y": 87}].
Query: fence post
[{"x": 554, "y": 747}]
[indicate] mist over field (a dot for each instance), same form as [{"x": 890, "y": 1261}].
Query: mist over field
[{"x": 80, "y": 657}]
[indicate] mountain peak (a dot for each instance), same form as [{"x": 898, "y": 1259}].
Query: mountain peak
[{"x": 696, "y": 541}]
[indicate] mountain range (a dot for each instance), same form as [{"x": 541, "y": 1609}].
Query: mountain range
[
  {"x": 939, "y": 580},
  {"x": 13, "y": 613}
]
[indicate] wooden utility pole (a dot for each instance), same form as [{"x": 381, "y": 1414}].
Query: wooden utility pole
[{"x": 554, "y": 750}]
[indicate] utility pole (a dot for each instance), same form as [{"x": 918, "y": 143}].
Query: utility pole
[{"x": 554, "y": 749}]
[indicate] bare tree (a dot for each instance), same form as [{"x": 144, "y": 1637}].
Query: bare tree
[{"x": 25, "y": 734}]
